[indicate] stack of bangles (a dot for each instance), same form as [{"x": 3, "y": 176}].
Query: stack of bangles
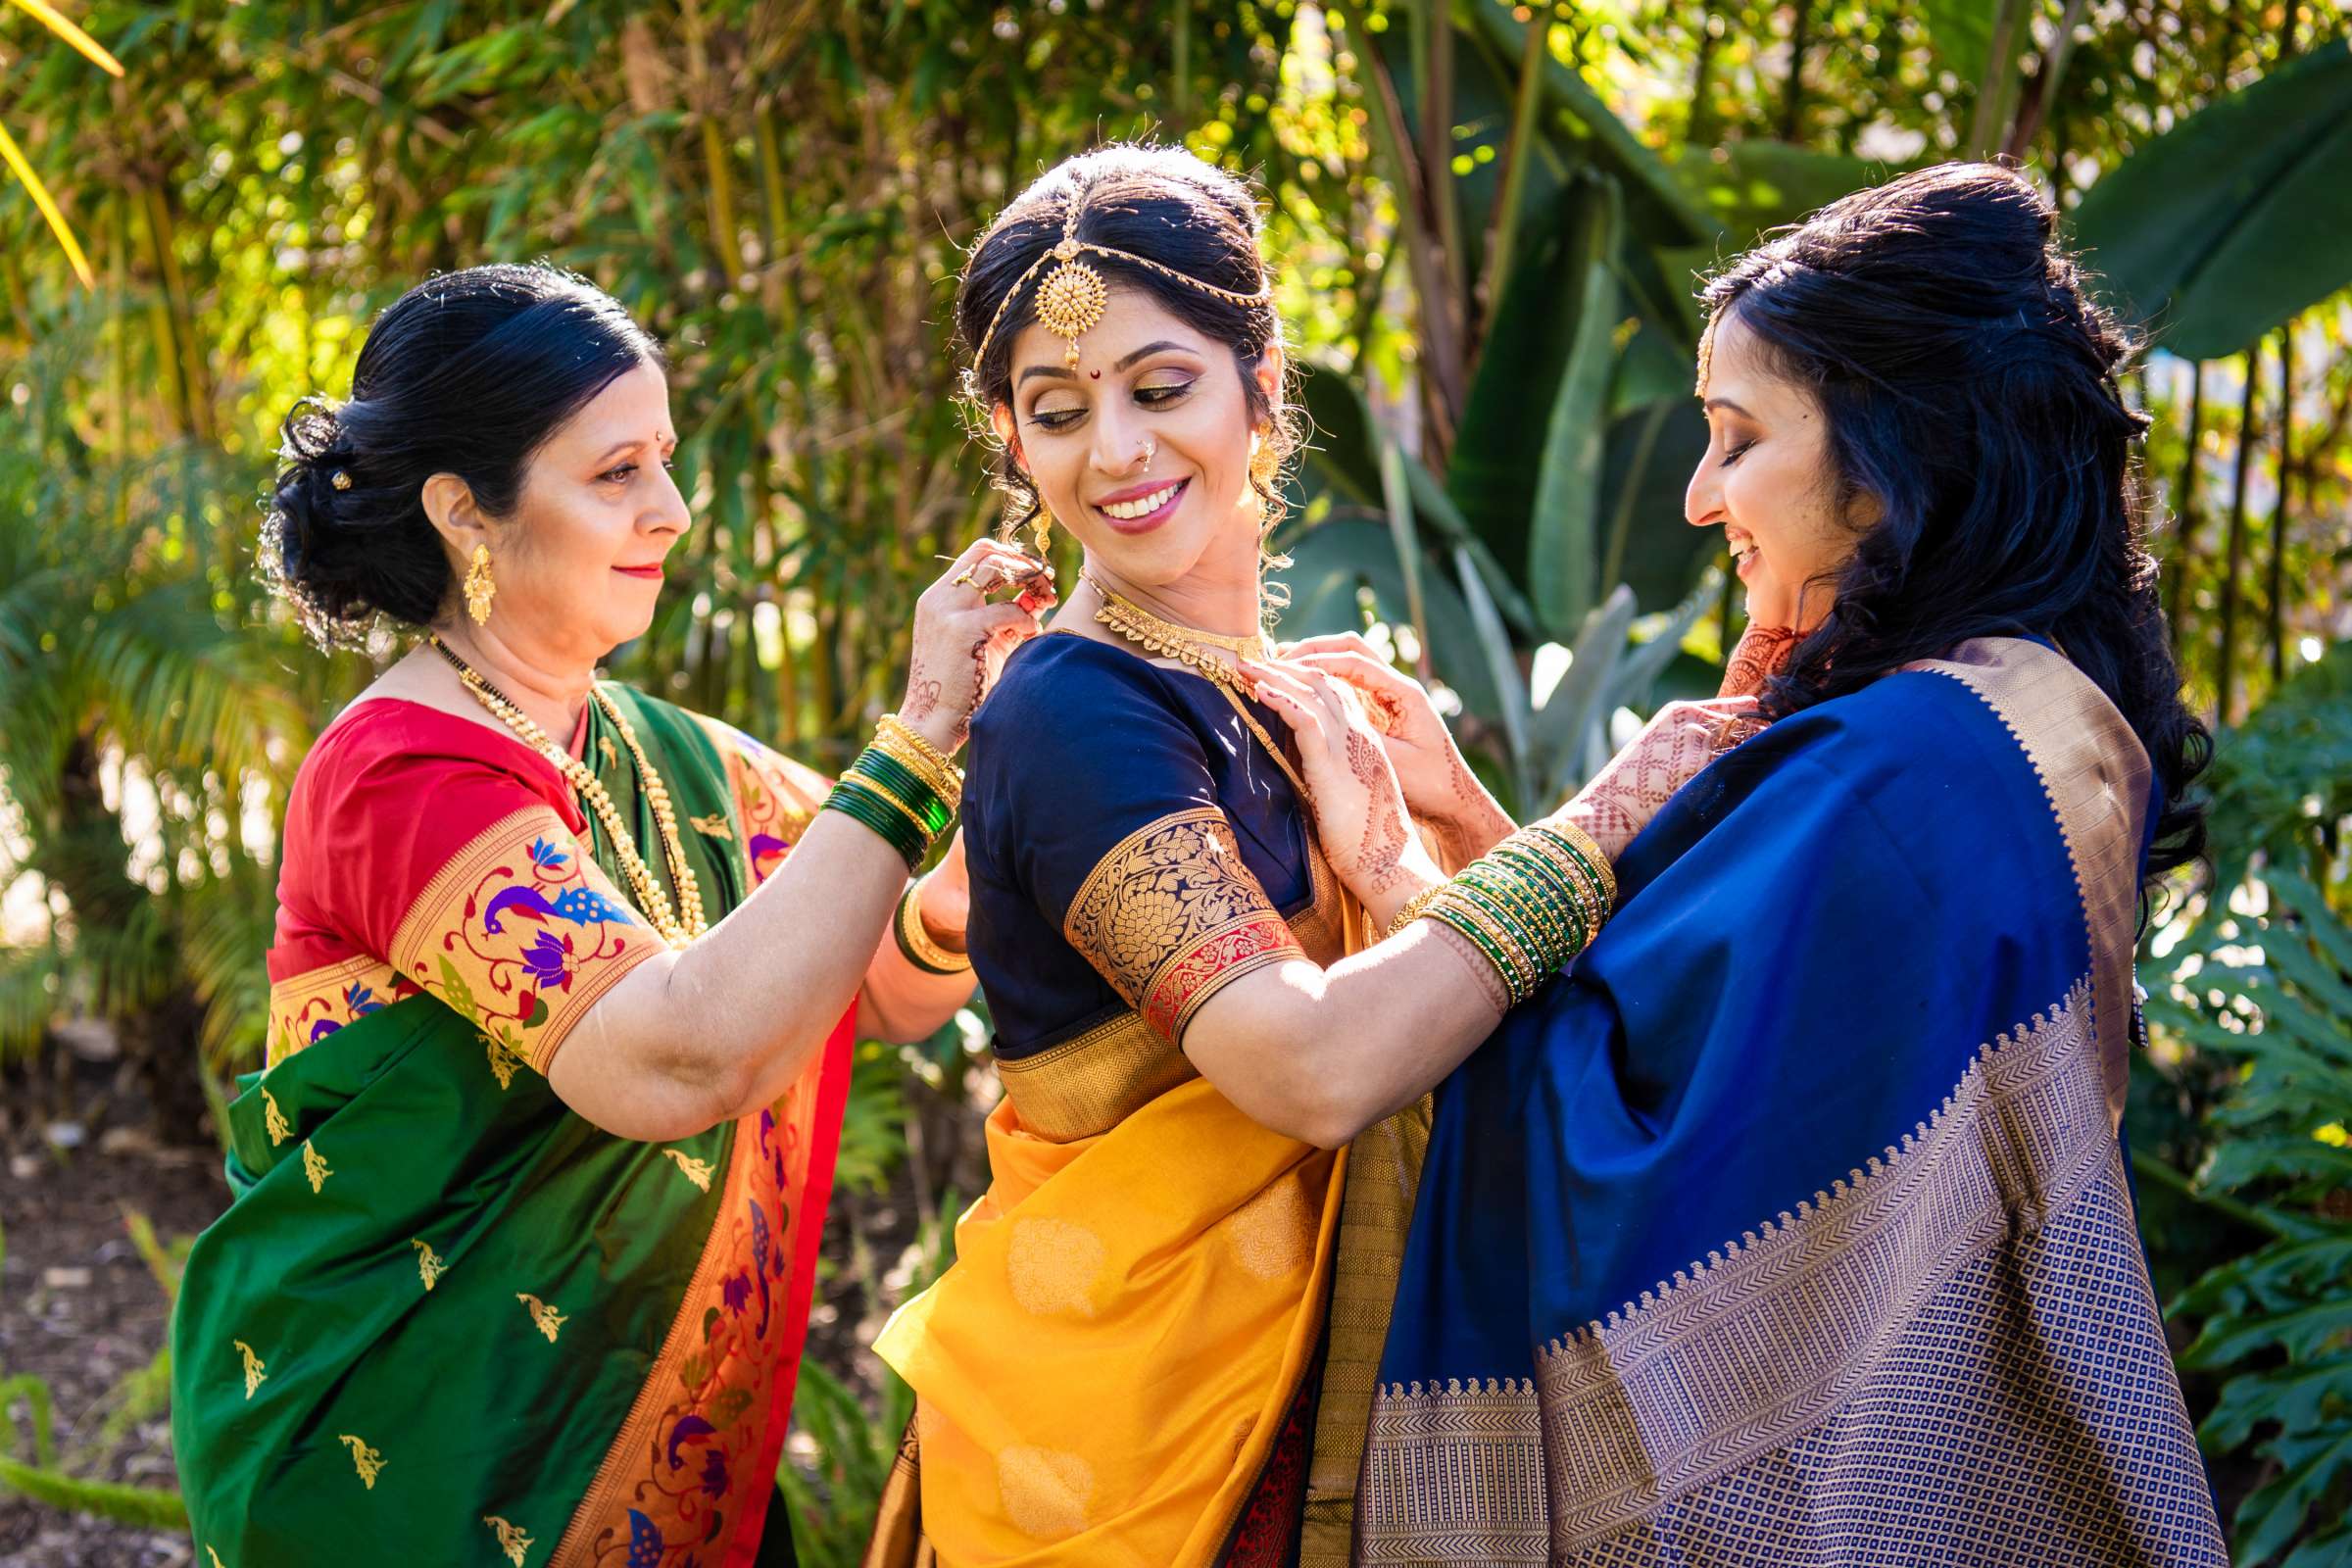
[
  {"x": 1530, "y": 903},
  {"x": 903, "y": 787}
]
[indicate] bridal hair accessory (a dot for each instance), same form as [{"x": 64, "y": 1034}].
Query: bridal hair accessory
[{"x": 1072, "y": 296}]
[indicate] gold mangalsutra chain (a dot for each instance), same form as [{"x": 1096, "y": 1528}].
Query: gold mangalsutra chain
[{"x": 651, "y": 898}]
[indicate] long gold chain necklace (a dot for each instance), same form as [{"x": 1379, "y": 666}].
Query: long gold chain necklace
[{"x": 650, "y": 897}]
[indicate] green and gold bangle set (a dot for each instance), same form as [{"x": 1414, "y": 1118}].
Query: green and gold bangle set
[
  {"x": 903, "y": 787},
  {"x": 1530, "y": 903}
]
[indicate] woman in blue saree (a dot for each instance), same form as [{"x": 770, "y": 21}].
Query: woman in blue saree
[{"x": 1790, "y": 1223}]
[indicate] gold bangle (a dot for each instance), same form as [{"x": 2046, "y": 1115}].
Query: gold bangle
[
  {"x": 915, "y": 939},
  {"x": 1416, "y": 908},
  {"x": 1596, "y": 862},
  {"x": 892, "y": 724},
  {"x": 946, "y": 782}
]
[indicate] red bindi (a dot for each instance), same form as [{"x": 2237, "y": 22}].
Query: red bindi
[{"x": 1097, "y": 375}]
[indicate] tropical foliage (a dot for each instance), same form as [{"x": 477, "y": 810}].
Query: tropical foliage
[{"x": 1490, "y": 217}]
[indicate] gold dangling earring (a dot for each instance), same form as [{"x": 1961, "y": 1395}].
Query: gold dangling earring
[
  {"x": 479, "y": 589},
  {"x": 1041, "y": 529}
]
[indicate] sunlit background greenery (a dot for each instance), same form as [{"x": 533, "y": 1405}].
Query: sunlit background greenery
[{"x": 1488, "y": 220}]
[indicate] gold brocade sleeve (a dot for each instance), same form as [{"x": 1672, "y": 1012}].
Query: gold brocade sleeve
[
  {"x": 1171, "y": 916},
  {"x": 521, "y": 932}
]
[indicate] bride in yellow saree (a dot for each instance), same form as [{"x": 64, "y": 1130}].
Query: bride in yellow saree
[{"x": 1159, "y": 1342}]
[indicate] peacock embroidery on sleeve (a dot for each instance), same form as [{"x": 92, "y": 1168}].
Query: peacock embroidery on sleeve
[{"x": 521, "y": 933}]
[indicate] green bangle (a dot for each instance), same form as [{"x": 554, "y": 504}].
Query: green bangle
[
  {"x": 904, "y": 785},
  {"x": 890, "y": 825},
  {"x": 1491, "y": 939}
]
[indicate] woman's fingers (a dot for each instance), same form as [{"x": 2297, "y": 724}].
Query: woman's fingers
[
  {"x": 1304, "y": 719},
  {"x": 1357, "y": 670}
]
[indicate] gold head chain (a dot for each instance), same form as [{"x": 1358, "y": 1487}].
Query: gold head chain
[{"x": 1072, "y": 297}]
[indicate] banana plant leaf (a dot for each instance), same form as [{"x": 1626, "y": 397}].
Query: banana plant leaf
[
  {"x": 1499, "y": 451},
  {"x": 1561, "y": 564},
  {"x": 1333, "y": 563},
  {"x": 2236, "y": 219}
]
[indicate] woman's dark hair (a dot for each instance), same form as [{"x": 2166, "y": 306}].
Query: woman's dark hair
[
  {"x": 467, "y": 374},
  {"x": 1159, "y": 203},
  {"x": 1968, "y": 382}
]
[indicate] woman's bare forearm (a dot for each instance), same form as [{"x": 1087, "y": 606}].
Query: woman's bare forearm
[
  {"x": 712, "y": 1030},
  {"x": 1320, "y": 1055}
]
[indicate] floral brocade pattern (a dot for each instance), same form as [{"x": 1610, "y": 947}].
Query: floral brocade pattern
[
  {"x": 700, "y": 1447},
  {"x": 521, "y": 933},
  {"x": 1173, "y": 915},
  {"x": 307, "y": 1008},
  {"x": 777, "y": 797}
]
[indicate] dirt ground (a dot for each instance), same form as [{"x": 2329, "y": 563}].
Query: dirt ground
[{"x": 80, "y": 1309}]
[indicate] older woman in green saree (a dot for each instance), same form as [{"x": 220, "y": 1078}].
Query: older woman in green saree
[{"x": 527, "y": 1198}]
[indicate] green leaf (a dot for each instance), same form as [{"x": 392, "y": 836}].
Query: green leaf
[
  {"x": 1660, "y": 210},
  {"x": 1499, "y": 451},
  {"x": 1749, "y": 187},
  {"x": 1331, "y": 563},
  {"x": 1561, "y": 543},
  {"x": 1961, "y": 31},
  {"x": 2239, "y": 216},
  {"x": 2273, "y": 1514}
]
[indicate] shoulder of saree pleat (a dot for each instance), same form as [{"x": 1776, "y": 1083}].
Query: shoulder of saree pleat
[
  {"x": 424, "y": 853},
  {"x": 776, "y": 797},
  {"x": 2097, "y": 778}
]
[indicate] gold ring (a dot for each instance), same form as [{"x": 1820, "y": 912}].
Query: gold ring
[{"x": 964, "y": 581}]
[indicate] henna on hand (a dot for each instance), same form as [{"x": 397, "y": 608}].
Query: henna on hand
[
  {"x": 1472, "y": 823},
  {"x": 1763, "y": 652},
  {"x": 1379, "y": 857}
]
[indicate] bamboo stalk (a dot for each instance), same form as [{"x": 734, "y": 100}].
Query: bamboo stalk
[
  {"x": 1510, "y": 191},
  {"x": 2000, "y": 69},
  {"x": 2185, "y": 510},
  {"x": 1792, "y": 98},
  {"x": 2279, "y": 514},
  {"x": 1699, "y": 132},
  {"x": 2226, "y": 675},
  {"x": 164, "y": 329},
  {"x": 1180, "y": 98},
  {"x": 195, "y": 384}
]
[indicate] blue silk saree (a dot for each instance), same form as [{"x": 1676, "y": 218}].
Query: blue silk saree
[{"x": 1790, "y": 1225}]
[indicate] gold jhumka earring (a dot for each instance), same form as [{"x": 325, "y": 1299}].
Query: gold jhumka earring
[{"x": 479, "y": 589}]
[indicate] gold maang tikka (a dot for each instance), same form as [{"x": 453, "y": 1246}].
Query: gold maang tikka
[{"x": 1071, "y": 298}]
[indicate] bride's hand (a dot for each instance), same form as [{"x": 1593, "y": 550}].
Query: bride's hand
[
  {"x": 1359, "y": 811},
  {"x": 961, "y": 637},
  {"x": 1617, "y": 802},
  {"x": 1439, "y": 789}
]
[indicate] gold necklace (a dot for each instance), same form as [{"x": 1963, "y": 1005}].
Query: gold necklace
[
  {"x": 1187, "y": 645},
  {"x": 650, "y": 897}
]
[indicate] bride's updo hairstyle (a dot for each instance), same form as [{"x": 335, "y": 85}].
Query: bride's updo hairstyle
[
  {"x": 467, "y": 374},
  {"x": 1159, "y": 202},
  {"x": 1968, "y": 381}
]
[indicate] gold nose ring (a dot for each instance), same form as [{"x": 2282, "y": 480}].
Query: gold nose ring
[{"x": 1151, "y": 451}]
